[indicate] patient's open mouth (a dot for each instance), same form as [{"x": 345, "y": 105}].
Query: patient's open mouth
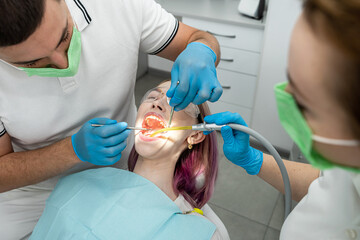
[{"x": 153, "y": 121}]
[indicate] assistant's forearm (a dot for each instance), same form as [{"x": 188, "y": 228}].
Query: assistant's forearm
[
  {"x": 301, "y": 176},
  {"x": 30, "y": 167},
  {"x": 209, "y": 40}
]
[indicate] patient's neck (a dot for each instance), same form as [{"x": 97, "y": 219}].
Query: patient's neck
[{"x": 160, "y": 172}]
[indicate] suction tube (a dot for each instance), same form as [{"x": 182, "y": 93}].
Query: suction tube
[{"x": 268, "y": 146}]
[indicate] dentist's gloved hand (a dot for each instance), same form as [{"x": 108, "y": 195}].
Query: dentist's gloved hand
[
  {"x": 236, "y": 143},
  {"x": 100, "y": 145},
  {"x": 195, "y": 71}
]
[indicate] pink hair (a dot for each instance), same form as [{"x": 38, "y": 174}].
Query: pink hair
[{"x": 200, "y": 161}]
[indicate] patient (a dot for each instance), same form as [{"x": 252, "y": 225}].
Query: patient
[{"x": 172, "y": 176}]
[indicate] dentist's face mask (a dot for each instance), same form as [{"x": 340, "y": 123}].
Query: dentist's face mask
[
  {"x": 74, "y": 53},
  {"x": 296, "y": 126}
]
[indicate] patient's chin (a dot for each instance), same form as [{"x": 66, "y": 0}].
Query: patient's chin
[{"x": 148, "y": 149}]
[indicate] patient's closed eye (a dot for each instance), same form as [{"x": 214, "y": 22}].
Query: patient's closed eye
[{"x": 153, "y": 95}]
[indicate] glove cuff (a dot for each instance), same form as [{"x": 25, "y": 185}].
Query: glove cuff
[
  {"x": 74, "y": 147},
  {"x": 203, "y": 46}
]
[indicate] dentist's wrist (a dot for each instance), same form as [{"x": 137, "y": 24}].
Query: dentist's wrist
[{"x": 203, "y": 47}]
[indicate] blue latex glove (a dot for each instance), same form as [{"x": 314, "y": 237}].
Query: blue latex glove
[
  {"x": 100, "y": 145},
  {"x": 236, "y": 143},
  {"x": 195, "y": 71}
]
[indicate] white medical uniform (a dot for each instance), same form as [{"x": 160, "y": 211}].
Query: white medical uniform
[
  {"x": 330, "y": 210},
  {"x": 220, "y": 233},
  {"x": 39, "y": 111}
]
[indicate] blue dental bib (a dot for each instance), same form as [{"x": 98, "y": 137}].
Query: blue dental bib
[{"x": 110, "y": 203}]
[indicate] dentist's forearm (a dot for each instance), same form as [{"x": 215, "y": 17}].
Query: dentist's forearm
[
  {"x": 209, "y": 40},
  {"x": 301, "y": 176},
  {"x": 30, "y": 167},
  {"x": 186, "y": 35}
]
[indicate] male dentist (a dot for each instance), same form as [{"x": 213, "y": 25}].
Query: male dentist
[{"x": 64, "y": 64}]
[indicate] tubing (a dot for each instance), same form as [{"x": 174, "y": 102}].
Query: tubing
[
  {"x": 257, "y": 136},
  {"x": 273, "y": 152}
]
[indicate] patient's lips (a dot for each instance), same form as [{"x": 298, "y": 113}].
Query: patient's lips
[{"x": 154, "y": 121}]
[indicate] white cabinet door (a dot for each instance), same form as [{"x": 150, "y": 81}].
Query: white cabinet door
[
  {"x": 238, "y": 88},
  {"x": 239, "y": 61},
  {"x": 220, "y": 106},
  {"x": 228, "y": 35}
]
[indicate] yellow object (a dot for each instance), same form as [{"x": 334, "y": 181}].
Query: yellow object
[
  {"x": 170, "y": 129},
  {"x": 196, "y": 210},
  {"x": 199, "y": 211}
]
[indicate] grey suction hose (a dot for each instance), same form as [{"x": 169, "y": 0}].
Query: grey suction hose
[{"x": 273, "y": 152}]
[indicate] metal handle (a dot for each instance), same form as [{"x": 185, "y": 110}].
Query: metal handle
[
  {"x": 131, "y": 128},
  {"x": 225, "y": 87},
  {"x": 221, "y": 35},
  {"x": 227, "y": 59}
]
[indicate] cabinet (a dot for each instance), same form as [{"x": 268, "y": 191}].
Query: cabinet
[
  {"x": 254, "y": 56},
  {"x": 238, "y": 67}
]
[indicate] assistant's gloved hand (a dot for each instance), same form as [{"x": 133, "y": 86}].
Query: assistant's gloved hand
[
  {"x": 236, "y": 143},
  {"x": 100, "y": 145},
  {"x": 195, "y": 71}
]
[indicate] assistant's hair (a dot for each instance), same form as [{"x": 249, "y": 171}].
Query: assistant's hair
[
  {"x": 19, "y": 19},
  {"x": 339, "y": 22},
  {"x": 196, "y": 169}
]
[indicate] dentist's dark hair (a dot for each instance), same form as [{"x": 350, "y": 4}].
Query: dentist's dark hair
[
  {"x": 337, "y": 22},
  {"x": 19, "y": 19}
]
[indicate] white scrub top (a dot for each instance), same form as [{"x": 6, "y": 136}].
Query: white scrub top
[
  {"x": 330, "y": 210},
  {"x": 39, "y": 111}
]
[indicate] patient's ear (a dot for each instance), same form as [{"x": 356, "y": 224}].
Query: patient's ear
[{"x": 196, "y": 137}]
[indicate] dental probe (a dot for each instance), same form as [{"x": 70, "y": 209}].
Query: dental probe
[
  {"x": 172, "y": 109},
  {"x": 171, "y": 115},
  {"x": 131, "y": 128}
]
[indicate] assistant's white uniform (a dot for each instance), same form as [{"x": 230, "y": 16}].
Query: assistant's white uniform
[
  {"x": 330, "y": 210},
  {"x": 39, "y": 111}
]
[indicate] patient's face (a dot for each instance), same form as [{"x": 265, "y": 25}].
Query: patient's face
[{"x": 154, "y": 113}]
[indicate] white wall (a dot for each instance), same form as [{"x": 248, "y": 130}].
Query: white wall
[{"x": 281, "y": 17}]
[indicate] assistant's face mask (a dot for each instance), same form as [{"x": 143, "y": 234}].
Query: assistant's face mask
[
  {"x": 296, "y": 126},
  {"x": 74, "y": 53}
]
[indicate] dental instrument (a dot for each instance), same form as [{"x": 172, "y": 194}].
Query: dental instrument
[
  {"x": 131, "y": 128},
  {"x": 173, "y": 108},
  {"x": 257, "y": 136},
  {"x": 171, "y": 115}
]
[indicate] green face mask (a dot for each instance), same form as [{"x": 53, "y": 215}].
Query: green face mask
[
  {"x": 74, "y": 53},
  {"x": 296, "y": 126}
]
